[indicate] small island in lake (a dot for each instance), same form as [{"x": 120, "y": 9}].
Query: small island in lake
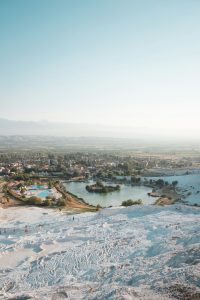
[{"x": 99, "y": 187}]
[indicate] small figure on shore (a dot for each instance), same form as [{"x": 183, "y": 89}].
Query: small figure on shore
[{"x": 73, "y": 218}]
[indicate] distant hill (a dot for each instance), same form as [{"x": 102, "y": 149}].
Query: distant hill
[
  {"x": 75, "y": 130},
  {"x": 11, "y": 127}
]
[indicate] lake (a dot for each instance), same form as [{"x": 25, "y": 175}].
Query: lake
[
  {"x": 187, "y": 183},
  {"x": 114, "y": 198}
]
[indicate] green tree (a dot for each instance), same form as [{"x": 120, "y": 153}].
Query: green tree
[{"x": 174, "y": 183}]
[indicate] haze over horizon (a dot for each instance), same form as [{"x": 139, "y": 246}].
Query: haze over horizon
[
  {"x": 79, "y": 130},
  {"x": 127, "y": 64}
]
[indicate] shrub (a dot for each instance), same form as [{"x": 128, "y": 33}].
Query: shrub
[
  {"x": 61, "y": 202},
  {"x": 174, "y": 183},
  {"x": 47, "y": 202},
  {"x": 34, "y": 200},
  {"x": 131, "y": 202}
]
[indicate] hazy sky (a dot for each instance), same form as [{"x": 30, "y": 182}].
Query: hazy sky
[{"x": 120, "y": 62}]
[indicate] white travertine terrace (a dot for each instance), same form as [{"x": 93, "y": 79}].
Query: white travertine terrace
[{"x": 119, "y": 253}]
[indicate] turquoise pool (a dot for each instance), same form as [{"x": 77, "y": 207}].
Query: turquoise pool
[{"x": 45, "y": 193}]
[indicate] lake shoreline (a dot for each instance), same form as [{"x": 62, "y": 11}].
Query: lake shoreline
[{"x": 163, "y": 196}]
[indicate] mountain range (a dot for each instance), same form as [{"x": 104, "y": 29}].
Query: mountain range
[
  {"x": 75, "y": 130},
  {"x": 46, "y": 128}
]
